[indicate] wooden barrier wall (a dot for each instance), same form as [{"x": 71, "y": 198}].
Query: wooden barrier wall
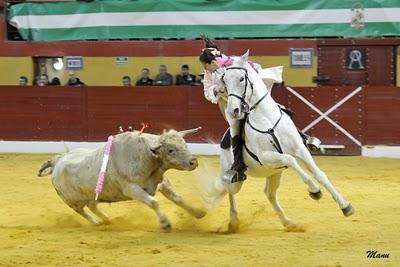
[{"x": 93, "y": 113}]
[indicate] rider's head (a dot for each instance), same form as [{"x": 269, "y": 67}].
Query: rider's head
[{"x": 208, "y": 55}]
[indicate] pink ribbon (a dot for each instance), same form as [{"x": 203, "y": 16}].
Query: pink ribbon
[
  {"x": 100, "y": 179},
  {"x": 224, "y": 60}
]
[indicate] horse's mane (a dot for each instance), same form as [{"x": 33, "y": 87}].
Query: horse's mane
[{"x": 251, "y": 70}]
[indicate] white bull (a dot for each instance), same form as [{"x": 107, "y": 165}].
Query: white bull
[{"x": 135, "y": 170}]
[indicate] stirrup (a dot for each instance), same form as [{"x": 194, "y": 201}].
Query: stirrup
[{"x": 313, "y": 143}]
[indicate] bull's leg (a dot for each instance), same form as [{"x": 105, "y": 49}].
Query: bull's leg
[
  {"x": 321, "y": 177},
  {"x": 79, "y": 209},
  {"x": 166, "y": 189},
  {"x": 136, "y": 192},
  {"x": 271, "y": 187},
  {"x": 276, "y": 159},
  {"x": 93, "y": 207}
]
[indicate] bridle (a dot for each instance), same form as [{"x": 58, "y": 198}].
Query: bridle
[
  {"x": 246, "y": 109},
  {"x": 245, "y": 106}
]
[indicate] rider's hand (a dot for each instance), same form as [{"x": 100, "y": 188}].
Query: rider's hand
[{"x": 220, "y": 89}]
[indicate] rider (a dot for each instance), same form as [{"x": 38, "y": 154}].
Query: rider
[{"x": 214, "y": 63}]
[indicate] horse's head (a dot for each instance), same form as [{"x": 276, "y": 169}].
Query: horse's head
[{"x": 238, "y": 86}]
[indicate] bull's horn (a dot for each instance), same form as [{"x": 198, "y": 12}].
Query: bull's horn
[{"x": 190, "y": 131}]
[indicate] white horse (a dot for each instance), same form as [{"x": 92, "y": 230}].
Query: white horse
[{"x": 272, "y": 143}]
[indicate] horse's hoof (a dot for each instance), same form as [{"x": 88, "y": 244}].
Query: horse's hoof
[
  {"x": 294, "y": 227},
  {"x": 102, "y": 223},
  {"x": 199, "y": 214},
  {"x": 233, "y": 227},
  {"x": 166, "y": 227},
  {"x": 348, "y": 211},
  {"x": 316, "y": 195}
]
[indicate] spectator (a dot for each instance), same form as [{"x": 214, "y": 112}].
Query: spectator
[
  {"x": 163, "y": 77},
  {"x": 126, "y": 81},
  {"x": 73, "y": 80},
  {"x": 43, "y": 80},
  {"x": 201, "y": 78},
  {"x": 55, "y": 81},
  {"x": 23, "y": 80},
  {"x": 185, "y": 78},
  {"x": 144, "y": 79}
]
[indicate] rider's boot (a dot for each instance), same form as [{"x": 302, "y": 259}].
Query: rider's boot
[{"x": 238, "y": 169}]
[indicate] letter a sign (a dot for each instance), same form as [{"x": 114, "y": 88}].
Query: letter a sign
[{"x": 356, "y": 59}]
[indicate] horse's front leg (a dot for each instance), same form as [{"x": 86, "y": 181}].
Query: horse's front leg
[
  {"x": 234, "y": 220},
  {"x": 231, "y": 188},
  {"x": 321, "y": 177}
]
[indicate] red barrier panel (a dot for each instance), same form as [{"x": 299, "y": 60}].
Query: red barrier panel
[
  {"x": 382, "y": 116},
  {"x": 93, "y": 113},
  {"x": 369, "y": 115}
]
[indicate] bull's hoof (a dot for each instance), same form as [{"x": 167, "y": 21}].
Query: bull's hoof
[
  {"x": 316, "y": 195},
  {"x": 348, "y": 211}
]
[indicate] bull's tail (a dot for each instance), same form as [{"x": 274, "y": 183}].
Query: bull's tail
[{"x": 48, "y": 166}]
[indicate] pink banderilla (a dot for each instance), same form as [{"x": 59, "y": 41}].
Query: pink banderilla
[{"x": 100, "y": 179}]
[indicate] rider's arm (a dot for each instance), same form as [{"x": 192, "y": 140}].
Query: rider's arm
[{"x": 211, "y": 90}]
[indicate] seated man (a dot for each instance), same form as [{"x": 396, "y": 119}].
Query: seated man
[
  {"x": 126, "y": 81},
  {"x": 73, "y": 80},
  {"x": 43, "y": 80},
  {"x": 144, "y": 79},
  {"x": 163, "y": 77},
  {"x": 23, "y": 80},
  {"x": 55, "y": 81},
  {"x": 185, "y": 78}
]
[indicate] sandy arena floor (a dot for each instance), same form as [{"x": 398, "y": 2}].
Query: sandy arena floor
[{"x": 37, "y": 228}]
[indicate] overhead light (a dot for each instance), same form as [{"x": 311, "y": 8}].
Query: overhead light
[{"x": 58, "y": 63}]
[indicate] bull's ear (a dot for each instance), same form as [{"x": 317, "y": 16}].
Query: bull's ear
[
  {"x": 155, "y": 150},
  {"x": 190, "y": 131},
  {"x": 244, "y": 58}
]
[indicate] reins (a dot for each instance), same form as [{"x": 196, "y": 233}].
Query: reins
[{"x": 246, "y": 109}]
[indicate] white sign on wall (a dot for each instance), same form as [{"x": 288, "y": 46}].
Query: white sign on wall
[
  {"x": 301, "y": 57},
  {"x": 121, "y": 60},
  {"x": 73, "y": 63}
]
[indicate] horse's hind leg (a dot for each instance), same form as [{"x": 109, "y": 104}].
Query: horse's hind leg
[
  {"x": 321, "y": 177},
  {"x": 93, "y": 207},
  {"x": 232, "y": 189},
  {"x": 271, "y": 187},
  {"x": 234, "y": 221}
]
